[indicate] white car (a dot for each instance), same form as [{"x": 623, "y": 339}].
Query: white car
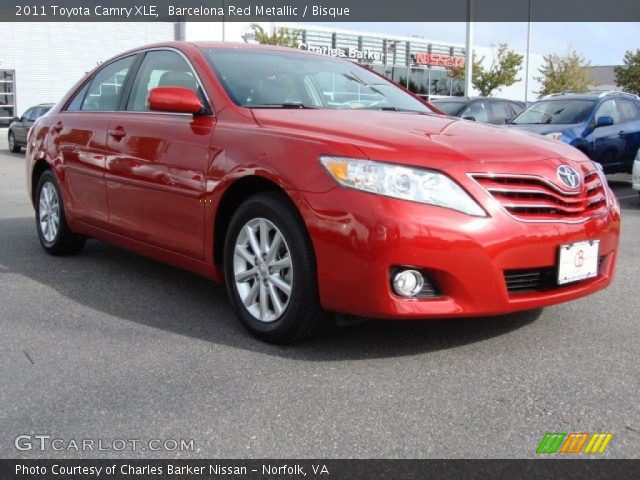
[{"x": 635, "y": 173}]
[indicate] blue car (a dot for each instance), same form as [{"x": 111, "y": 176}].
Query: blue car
[{"x": 605, "y": 126}]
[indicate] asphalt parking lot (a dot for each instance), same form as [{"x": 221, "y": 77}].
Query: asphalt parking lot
[{"x": 109, "y": 345}]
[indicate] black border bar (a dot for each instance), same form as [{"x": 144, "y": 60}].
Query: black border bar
[
  {"x": 320, "y": 10},
  {"x": 335, "y": 469}
]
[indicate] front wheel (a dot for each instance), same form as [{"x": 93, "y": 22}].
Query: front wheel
[
  {"x": 55, "y": 236},
  {"x": 270, "y": 271},
  {"x": 13, "y": 145}
]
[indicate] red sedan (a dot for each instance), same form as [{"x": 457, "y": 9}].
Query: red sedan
[{"x": 310, "y": 184}]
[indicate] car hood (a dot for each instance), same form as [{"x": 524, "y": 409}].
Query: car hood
[
  {"x": 415, "y": 139},
  {"x": 543, "y": 129}
]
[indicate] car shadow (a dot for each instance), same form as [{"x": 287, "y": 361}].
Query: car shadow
[
  {"x": 122, "y": 284},
  {"x": 5, "y": 151},
  {"x": 620, "y": 183}
]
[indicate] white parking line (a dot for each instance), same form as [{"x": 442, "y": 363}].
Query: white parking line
[{"x": 627, "y": 196}]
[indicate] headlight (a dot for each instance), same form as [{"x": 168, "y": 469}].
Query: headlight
[
  {"x": 609, "y": 195},
  {"x": 554, "y": 135},
  {"x": 406, "y": 183}
]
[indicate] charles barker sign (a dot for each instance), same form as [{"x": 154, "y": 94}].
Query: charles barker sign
[
  {"x": 352, "y": 53},
  {"x": 419, "y": 58},
  {"x": 438, "y": 60}
]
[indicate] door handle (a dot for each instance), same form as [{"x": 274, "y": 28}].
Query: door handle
[
  {"x": 117, "y": 133},
  {"x": 57, "y": 127}
]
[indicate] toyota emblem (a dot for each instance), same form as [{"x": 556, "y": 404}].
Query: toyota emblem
[{"x": 568, "y": 176}]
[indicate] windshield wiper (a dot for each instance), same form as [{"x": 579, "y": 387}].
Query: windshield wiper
[
  {"x": 281, "y": 105},
  {"x": 394, "y": 109}
]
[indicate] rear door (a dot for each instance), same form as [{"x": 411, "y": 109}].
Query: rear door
[
  {"x": 630, "y": 114},
  {"x": 156, "y": 172},
  {"x": 79, "y": 136}
]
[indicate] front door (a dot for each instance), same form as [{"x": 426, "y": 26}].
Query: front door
[
  {"x": 609, "y": 142},
  {"x": 156, "y": 174}
]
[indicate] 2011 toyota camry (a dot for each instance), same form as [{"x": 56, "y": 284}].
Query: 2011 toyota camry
[{"x": 310, "y": 184}]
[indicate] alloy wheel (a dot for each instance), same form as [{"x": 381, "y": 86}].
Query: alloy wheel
[
  {"x": 263, "y": 271},
  {"x": 12, "y": 142},
  {"x": 49, "y": 212}
]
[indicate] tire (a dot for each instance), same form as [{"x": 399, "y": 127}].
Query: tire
[
  {"x": 299, "y": 316},
  {"x": 13, "y": 145},
  {"x": 54, "y": 233}
]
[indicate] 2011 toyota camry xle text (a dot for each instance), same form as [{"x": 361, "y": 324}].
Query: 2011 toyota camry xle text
[{"x": 310, "y": 184}]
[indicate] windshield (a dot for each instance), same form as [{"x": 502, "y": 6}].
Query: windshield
[
  {"x": 555, "y": 112},
  {"x": 273, "y": 79},
  {"x": 450, "y": 108}
]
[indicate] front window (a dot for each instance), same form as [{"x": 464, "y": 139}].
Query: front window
[
  {"x": 161, "y": 68},
  {"x": 556, "y": 112},
  {"x": 608, "y": 108},
  {"x": 450, "y": 108},
  {"x": 476, "y": 111},
  {"x": 269, "y": 79}
]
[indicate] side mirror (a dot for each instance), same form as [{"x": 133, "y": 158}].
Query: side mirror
[
  {"x": 604, "y": 121},
  {"x": 469, "y": 117},
  {"x": 174, "y": 100}
]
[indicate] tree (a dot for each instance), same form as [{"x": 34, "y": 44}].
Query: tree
[
  {"x": 568, "y": 73},
  {"x": 502, "y": 72},
  {"x": 282, "y": 37},
  {"x": 628, "y": 76}
]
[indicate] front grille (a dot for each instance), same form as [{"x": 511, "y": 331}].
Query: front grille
[
  {"x": 537, "y": 279},
  {"x": 533, "y": 198},
  {"x": 531, "y": 280}
]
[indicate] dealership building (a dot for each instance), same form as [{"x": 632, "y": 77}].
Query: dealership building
[{"x": 39, "y": 62}]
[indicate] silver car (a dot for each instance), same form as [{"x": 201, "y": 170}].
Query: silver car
[{"x": 635, "y": 173}]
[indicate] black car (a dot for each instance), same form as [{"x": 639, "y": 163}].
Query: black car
[
  {"x": 496, "y": 111},
  {"x": 19, "y": 127}
]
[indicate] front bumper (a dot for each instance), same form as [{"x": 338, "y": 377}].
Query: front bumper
[{"x": 358, "y": 237}]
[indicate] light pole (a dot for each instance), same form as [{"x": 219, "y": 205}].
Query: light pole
[
  {"x": 468, "y": 54},
  {"x": 526, "y": 68},
  {"x": 224, "y": 21}
]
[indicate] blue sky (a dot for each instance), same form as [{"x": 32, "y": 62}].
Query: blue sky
[{"x": 600, "y": 43}]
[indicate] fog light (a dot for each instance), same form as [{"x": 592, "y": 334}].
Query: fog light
[{"x": 408, "y": 283}]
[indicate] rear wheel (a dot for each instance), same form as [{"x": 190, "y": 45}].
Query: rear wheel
[
  {"x": 55, "y": 236},
  {"x": 270, "y": 271},
  {"x": 13, "y": 146}
]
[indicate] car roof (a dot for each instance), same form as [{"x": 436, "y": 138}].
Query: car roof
[
  {"x": 588, "y": 96},
  {"x": 223, "y": 45},
  {"x": 472, "y": 99},
  {"x": 571, "y": 96},
  {"x": 42, "y": 105}
]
